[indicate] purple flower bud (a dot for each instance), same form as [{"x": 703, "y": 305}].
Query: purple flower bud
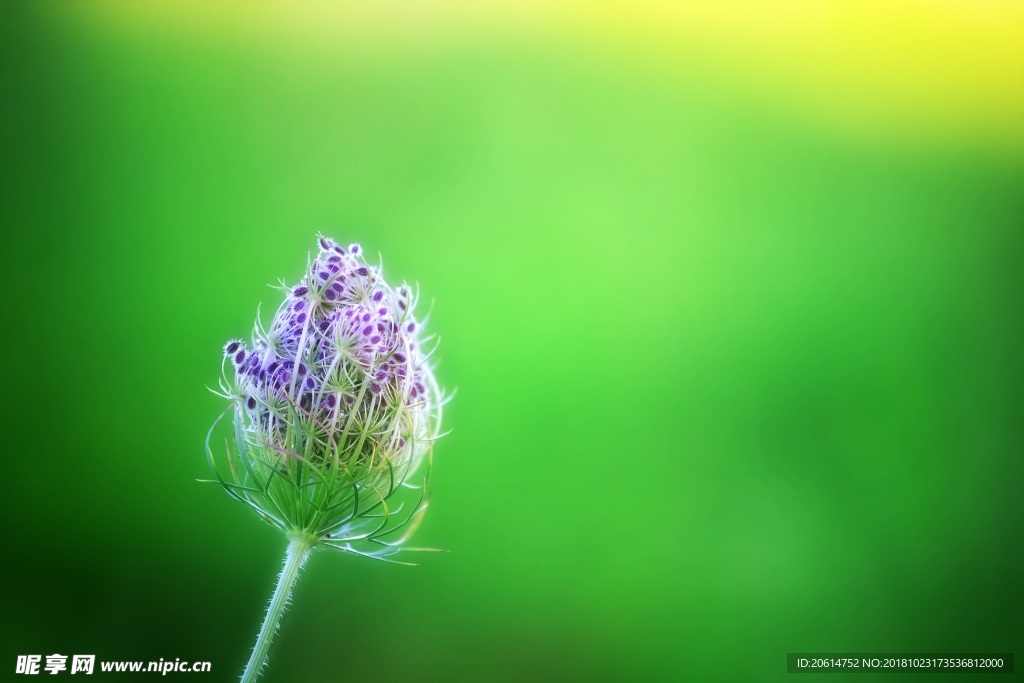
[{"x": 339, "y": 324}]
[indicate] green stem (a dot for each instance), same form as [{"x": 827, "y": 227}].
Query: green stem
[{"x": 298, "y": 552}]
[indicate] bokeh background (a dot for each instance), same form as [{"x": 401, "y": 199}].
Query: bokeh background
[{"x": 731, "y": 294}]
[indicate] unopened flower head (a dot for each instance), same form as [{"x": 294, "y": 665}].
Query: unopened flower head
[{"x": 335, "y": 408}]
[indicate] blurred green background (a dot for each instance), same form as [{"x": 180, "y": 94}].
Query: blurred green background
[{"x": 736, "y": 331}]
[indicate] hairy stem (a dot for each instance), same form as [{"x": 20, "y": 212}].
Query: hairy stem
[{"x": 298, "y": 552}]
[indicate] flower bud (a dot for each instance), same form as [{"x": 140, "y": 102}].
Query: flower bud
[{"x": 335, "y": 409}]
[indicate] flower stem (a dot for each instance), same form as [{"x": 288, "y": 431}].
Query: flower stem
[{"x": 298, "y": 552}]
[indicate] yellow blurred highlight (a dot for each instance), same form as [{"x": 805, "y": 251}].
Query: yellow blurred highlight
[
  {"x": 921, "y": 68},
  {"x": 941, "y": 71}
]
